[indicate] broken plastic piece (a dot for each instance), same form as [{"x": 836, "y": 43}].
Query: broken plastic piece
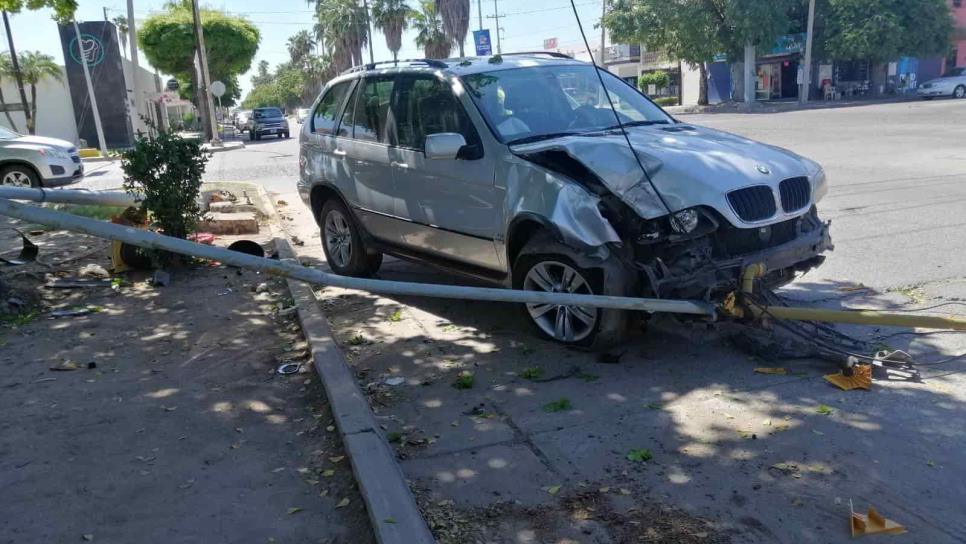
[
  {"x": 861, "y": 378},
  {"x": 771, "y": 370},
  {"x": 873, "y": 524},
  {"x": 28, "y": 253}
]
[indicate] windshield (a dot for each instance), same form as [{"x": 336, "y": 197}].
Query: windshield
[
  {"x": 268, "y": 113},
  {"x": 7, "y": 134},
  {"x": 955, "y": 72},
  {"x": 528, "y": 104}
]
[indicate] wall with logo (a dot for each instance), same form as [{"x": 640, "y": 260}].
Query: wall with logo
[{"x": 99, "y": 46}]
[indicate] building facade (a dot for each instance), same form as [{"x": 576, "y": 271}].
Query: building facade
[{"x": 957, "y": 57}]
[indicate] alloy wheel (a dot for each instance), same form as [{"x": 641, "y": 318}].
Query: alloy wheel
[
  {"x": 960, "y": 92},
  {"x": 338, "y": 238},
  {"x": 564, "y": 323},
  {"x": 16, "y": 178}
]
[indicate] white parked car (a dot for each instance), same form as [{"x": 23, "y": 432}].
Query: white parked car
[
  {"x": 952, "y": 83},
  {"x": 36, "y": 161}
]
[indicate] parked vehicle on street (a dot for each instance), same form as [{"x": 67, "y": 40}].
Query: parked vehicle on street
[
  {"x": 266, "y": 121},
  {"x": 952, "y": 83},
  {"x": 301, "y": 115},
  {"x": 514, "y": 169},
  {"x": 241, "y": 120},
  {"x": 36, "y": 161}
]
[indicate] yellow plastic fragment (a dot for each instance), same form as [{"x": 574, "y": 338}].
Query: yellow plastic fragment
[
  {"x": 861, "y": 378},
  {"x": 873, "y": 524},
  {"x": 771, "y": 370}
]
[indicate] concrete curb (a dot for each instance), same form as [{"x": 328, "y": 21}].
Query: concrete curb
[{"x": 393, "y": 514}]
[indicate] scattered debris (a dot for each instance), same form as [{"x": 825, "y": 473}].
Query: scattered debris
[
  {"x": 288, "y": 368},
  {"x": 552, "y": 490},
  {"x": 28, "y": 253},
  {"x": 873, "y": 523},
  {"x": 854, "y": 377},
  {"x": 261, "y": 287},
  {"x": 76, "y": 312},
  {"x": 65, "y": 365},
  {"x": 73, "y": 283},
  {"x": 93, "y": 270},
  {"x": 294, "y": 510},
  {"x": 343, "y": 503},
  {"x": 640, "y": 455},
  {"x": 824, "y": 410},
  {"x": 395, "y": 317},
  {"x": 464, "y": 380},
  {"x": 771, "y": 370},
  {"x": 398, "y": 380}
]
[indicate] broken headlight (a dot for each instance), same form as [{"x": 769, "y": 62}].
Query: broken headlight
[{"x": 685, "y": 221}]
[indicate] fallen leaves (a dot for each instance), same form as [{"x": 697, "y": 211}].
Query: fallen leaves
[{"x": 824, "y": 410}]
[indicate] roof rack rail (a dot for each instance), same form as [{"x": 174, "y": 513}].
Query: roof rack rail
[
  {"x": 554, "y": 54},
  {"x": 434, "y": 63}
]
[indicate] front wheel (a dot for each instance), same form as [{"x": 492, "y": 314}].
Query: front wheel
[
  {"x": 343, "y": 244},
  {"x": 287, "y": 135},
  {"x": 960, "y": 92},
  {"x": 17, "y": 175},
  {"x": 549, "y": 266}
]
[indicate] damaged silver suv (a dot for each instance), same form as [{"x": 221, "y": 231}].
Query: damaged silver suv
[{"x": 518, "y": 170}]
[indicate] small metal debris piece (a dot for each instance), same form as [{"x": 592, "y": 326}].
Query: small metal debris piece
[
  {"x": 288, "y": 368},
  {"x": 395, "y": 381},
  {"x": 71, "y": 313},
  {"x": 28, "y": 253}
]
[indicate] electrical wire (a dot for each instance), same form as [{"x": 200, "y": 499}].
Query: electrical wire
[{"x": 613, "y": 108}]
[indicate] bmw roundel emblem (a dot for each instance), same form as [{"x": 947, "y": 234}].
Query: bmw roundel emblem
[{"x": 763, "y": 169}]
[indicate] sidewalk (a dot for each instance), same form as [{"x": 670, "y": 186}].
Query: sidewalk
[
  {"x": 166, "y": 421},
  {"x": 779, "y": 106}
]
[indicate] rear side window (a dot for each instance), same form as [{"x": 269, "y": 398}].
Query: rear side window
[
  {"x": 426, "y": 105},
  {"x": 325, "y": 118},
  {"x": 370, "y": 113}
]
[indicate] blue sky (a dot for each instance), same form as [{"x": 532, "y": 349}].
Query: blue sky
[{"x": 526, "y": 25}]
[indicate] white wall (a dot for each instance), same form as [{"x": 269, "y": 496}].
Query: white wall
[
  {"x": 55, "y": 112},
  {"x": 148, "y": 86},
  {"x": 690, "y": 84}
]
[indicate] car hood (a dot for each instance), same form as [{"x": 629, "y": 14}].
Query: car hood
[
  {"x": 43, "y": 141},
  {"x": 689, "y": 165}
]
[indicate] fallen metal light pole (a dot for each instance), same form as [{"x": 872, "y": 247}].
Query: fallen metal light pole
[
  {"x": 147, "y": 239},
  {"x": 68, "y": 196}
]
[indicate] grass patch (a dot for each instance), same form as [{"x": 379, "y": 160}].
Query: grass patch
[
  {"x": 464, "y": 380},
  {"x": 19, "y": 320},
  {"x": 640, "y": 455},
  {"x": 394, "y": 437},
  {"x": 531, "y": 373},
  {"x": 103, "y": 213},
  {"x": 559, "y": 405},
  {"x": 357, "y": 340},
  {"x": 395, "y": 317}
]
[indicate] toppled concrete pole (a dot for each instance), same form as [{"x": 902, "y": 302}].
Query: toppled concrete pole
[
  {"x": 68, "y": 196},
  {"x": 150, "y": 240}
]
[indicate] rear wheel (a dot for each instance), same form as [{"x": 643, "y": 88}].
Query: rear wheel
[
  {"x": 549, "y": 266},
  {"x": 343, "y": 244},
  {"x": 18, "y": 175},
  {"x": 960, "y": 92}
]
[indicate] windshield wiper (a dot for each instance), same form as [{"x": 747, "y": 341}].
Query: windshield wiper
[
  {"x": 641, "y": 124},
  {"x": 542, "y": 137}
]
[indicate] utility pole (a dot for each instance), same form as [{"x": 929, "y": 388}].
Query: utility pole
[
  {"x": 365, "y": 5},
  {"x": 807, "y": 74},
  {"x": 90, "y": 91},
  {"x": 105, "y": 14},
  {"x": 18, "y": 75},
  {"x": 205, "y": 76},
  {"x": 603, "y": 34},
  {"x": 479, "y": 12},
  {"x": 496, "y": 18},
  {"x": 132, "y": 39},
  {"x": 751, "y": 56}
]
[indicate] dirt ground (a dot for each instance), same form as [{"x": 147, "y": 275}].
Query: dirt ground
[{"x": 159, "y": 417}]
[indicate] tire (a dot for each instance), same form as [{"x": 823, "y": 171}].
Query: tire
[
  {"x": 287, "y": 135},
  {"x": 595, "y": 328},
  {"x": 343, "y": 243},
  {"x": 251, "y": 136},
  {"x": 258, "y": 136},
  {"x": 960, "y": 92},
  {"x": 18, "y": 175}
]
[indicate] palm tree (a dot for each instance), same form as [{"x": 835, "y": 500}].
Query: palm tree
[
  {"x": 345, "y": 29},
  {"x": 122, "y": 29},
  {"x": 36, "y": 67},
  {"x": 300, "y": 46},
  {"x": 456, "y": 20},
  {"x": 392, "y": 18},
  {"x": 6, "y": 70},
  {"x": 430, "y": 34}
]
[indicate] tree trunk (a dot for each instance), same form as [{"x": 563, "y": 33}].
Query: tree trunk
[
  {"x": 32, "y": 123},
  {"x": 703, "y": 85},
  {"x": 201, "y": 103},
  {"x": 13, "y": 126}
]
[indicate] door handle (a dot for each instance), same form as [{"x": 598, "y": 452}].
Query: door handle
[
  {"x": 399, "y": 165},
  {"x": 339, "y": 153}
]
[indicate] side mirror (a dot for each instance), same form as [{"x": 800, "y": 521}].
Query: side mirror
[{"x": 445, "y": 145}]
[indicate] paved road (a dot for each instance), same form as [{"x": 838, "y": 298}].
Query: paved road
[{"x": 752, "y": 453}]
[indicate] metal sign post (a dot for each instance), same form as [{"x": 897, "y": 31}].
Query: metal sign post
[{"x": 218, "y": 89}]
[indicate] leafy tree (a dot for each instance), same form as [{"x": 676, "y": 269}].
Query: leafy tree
[
  {"x": 300, "y": 46},
  {"x": 430, "y": 34},
  {"x": 263, "y": 75},
  {"x": 345, "y": 31},
  {"x": 392, "y": 18},
  {"x": 36, "y": 67},
  {"x": 660, "y": 79},
  {"x": 456, "y": 20},
  {"x": 63, "y": 9},
  {"x": 895, "y": 28},
  {"x": 696, "y": 30},
  {"x": 168, "y": 41},
  {"x": 263, "y": 95}
]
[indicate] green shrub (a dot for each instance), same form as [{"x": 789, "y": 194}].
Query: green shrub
[
  {"x": 164, "y": 173},
  {"x": 666, "y": 101},
  {"x": 659, "y": 79}
]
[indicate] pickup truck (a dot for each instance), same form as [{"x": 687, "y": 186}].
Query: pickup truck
[{"x": 265, "y": 121}]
